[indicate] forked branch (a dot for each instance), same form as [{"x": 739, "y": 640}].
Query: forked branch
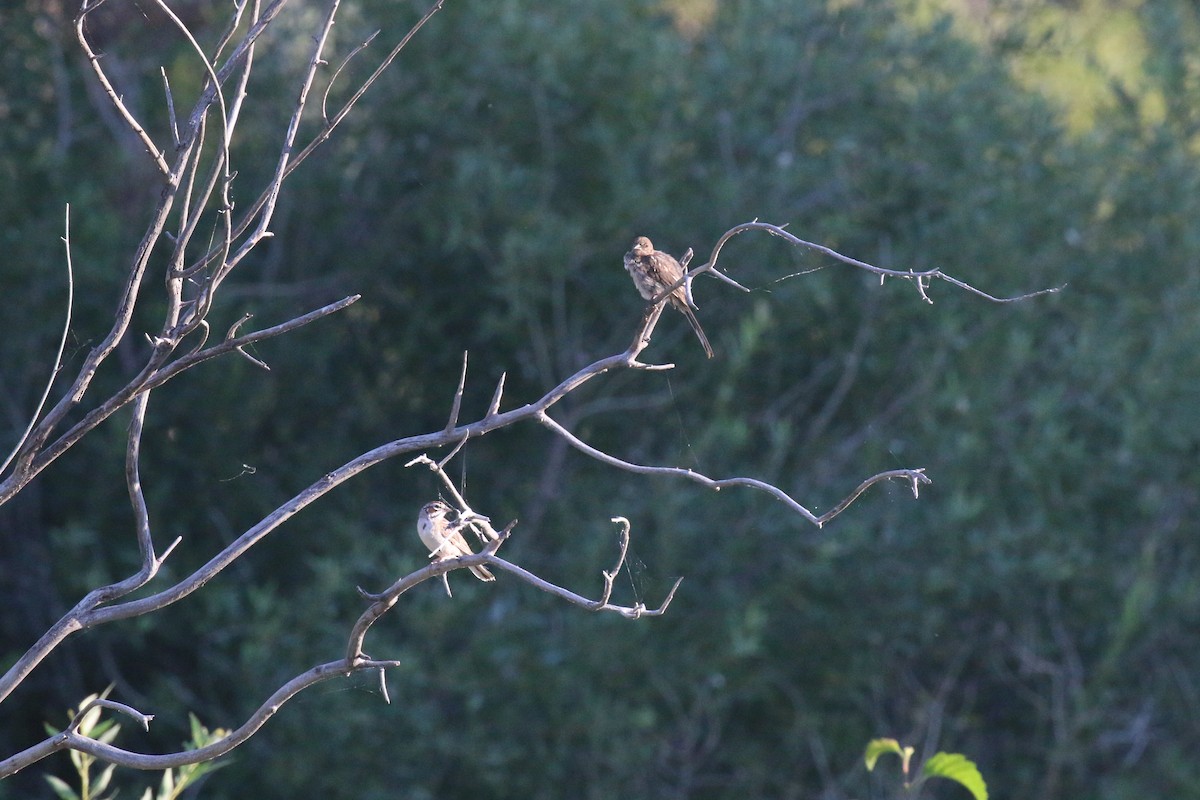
[
  {"x": 191, "y": 194},
  {"x": 921, "y": 279}
]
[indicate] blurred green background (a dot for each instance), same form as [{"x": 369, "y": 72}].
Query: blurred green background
[{"x": 1036, "y": 609}]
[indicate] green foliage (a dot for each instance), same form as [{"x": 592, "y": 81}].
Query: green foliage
[
  {"x": 878, "y": 747},
  {"x": 173, "y": 782},
  {"x": 952, "y": 766},
  {"x": 958, "y": 768},
  {"x": 90, "y": 725}
]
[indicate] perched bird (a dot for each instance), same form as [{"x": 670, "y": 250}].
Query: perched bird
[
  {"x": 652, "y": 272},
  {"x": 444, "y": 538}
]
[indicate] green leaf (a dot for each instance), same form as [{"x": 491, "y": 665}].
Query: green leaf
[
  {"x": 106, "y": 731},
  {"x": 90, "y": 717},
  {"x": 959, "y": 768},
  {"x": 93, "y": 714},
  {"x": 61, "y": 788},
  {"x": 168, "y": 785},
  {"x": 199, "y": 732},
  {"x": 877, "y": 747},
  {"x": 101, "y": 783}
]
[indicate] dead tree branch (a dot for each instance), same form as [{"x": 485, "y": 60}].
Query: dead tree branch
[
  {"x": 354, "y": 661},
  {"x": 196, "y": 176},
  {"x": 920, "y": 279}
]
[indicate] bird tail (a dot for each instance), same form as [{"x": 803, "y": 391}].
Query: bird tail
[
  {"x": 482, "y": 573},
  {"x": 695, "y": 323}
]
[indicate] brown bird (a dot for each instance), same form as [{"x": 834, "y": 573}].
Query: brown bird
[
  {"x": 652, "y": 272},
  {"x": 444, "y": 538}
]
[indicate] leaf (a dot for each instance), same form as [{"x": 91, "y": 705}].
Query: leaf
[
  {"x": 91, "y": 716},
  {"x": 106, "y": 732},
  {"x": 167, "y": 790},
  {"x": 61, "y": 788},
  {"x": 101, "y": 783},
  {"x": 88, "y": 721},
  {"x": 199, "y": 732},
  {"x": 958, "y": 768},
  {"x": 877, "y": 747}
]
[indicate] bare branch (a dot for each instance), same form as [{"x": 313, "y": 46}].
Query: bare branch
[
  {"x": 156, "y": 154},
  {"x": 86, "y": 613},
  {"x": 191, "y": 291},
  {"x": 920, "y": 279},
  {"x": 231, "y": 334},
  {"x": 100, "y": 702},
  {"x": 174, "y": 123},
  {"x": 32, "y": 450},
  {"x": 133, "y": 479},
  {"x": 266, "y": 211},
  {"x": 214, "y": 81},
  {"x": 69, "y": 740},
  {"x": 494, "y": 406},
  {"x": 148, "y": 379},
  {"x": 478, "y": 523},
  {"x": 636, "y": 611},
  {"x": 333, "y": 79},
  {"x": 437, "y": 468},
  {"x": 362, "y": 89},
  {"x": 382, "y": 602},
  {"x": 354, "y": 661},
  {"x": 239, "y": 94},
  {"x": 62, "y": 345},
  {"x": 915, "y": 476},
  {"x": 267, "y": 196},
  {"x": 456, "y": 406},
  {"x": 25, "y": 464}
]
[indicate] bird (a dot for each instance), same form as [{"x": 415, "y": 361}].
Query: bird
[
  {"x": 444, "y": 538},
  {"x": 652, "y": 272}
]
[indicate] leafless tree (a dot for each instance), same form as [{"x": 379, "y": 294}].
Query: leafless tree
[{"x": 191, "y": 163}]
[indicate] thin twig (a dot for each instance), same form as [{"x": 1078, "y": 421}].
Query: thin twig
[
  {"x": 266, "y": 211},
  {"x": 114, "y": 97},
  {"x": 915, "y": 476},
  {"x": 333, "y": 78},
  {"x": 494, "y": 406},
  {"x": 152, "y": 380},
  {"x": 267, "y": 196},
  {"x": 456, "y": 405},
  {"x": 921, "y": 279},
  {"x": 133, "y": 480},
  {"x": 174, "y": 123},
  {"x": 62, "y": 345},
  {"x": 142, "y": 719},
  {"x": 70, "y": 740},
  {"x": 479, "y": 524}
]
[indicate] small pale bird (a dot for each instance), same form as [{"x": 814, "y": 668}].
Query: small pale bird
[
  {"x": 652, "y": 271},
  {"x": 444, "y": 537}
]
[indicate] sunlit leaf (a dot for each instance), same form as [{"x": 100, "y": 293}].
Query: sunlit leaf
[
  {"x": 958, "y": 768},
  {"x": 101, "y": 782},
  {"x": 106, "y": 732},
  {"x": 877, "y": 747},
  {"x": 61, "y": 788},
  {"x": 199, "y": 732}
]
